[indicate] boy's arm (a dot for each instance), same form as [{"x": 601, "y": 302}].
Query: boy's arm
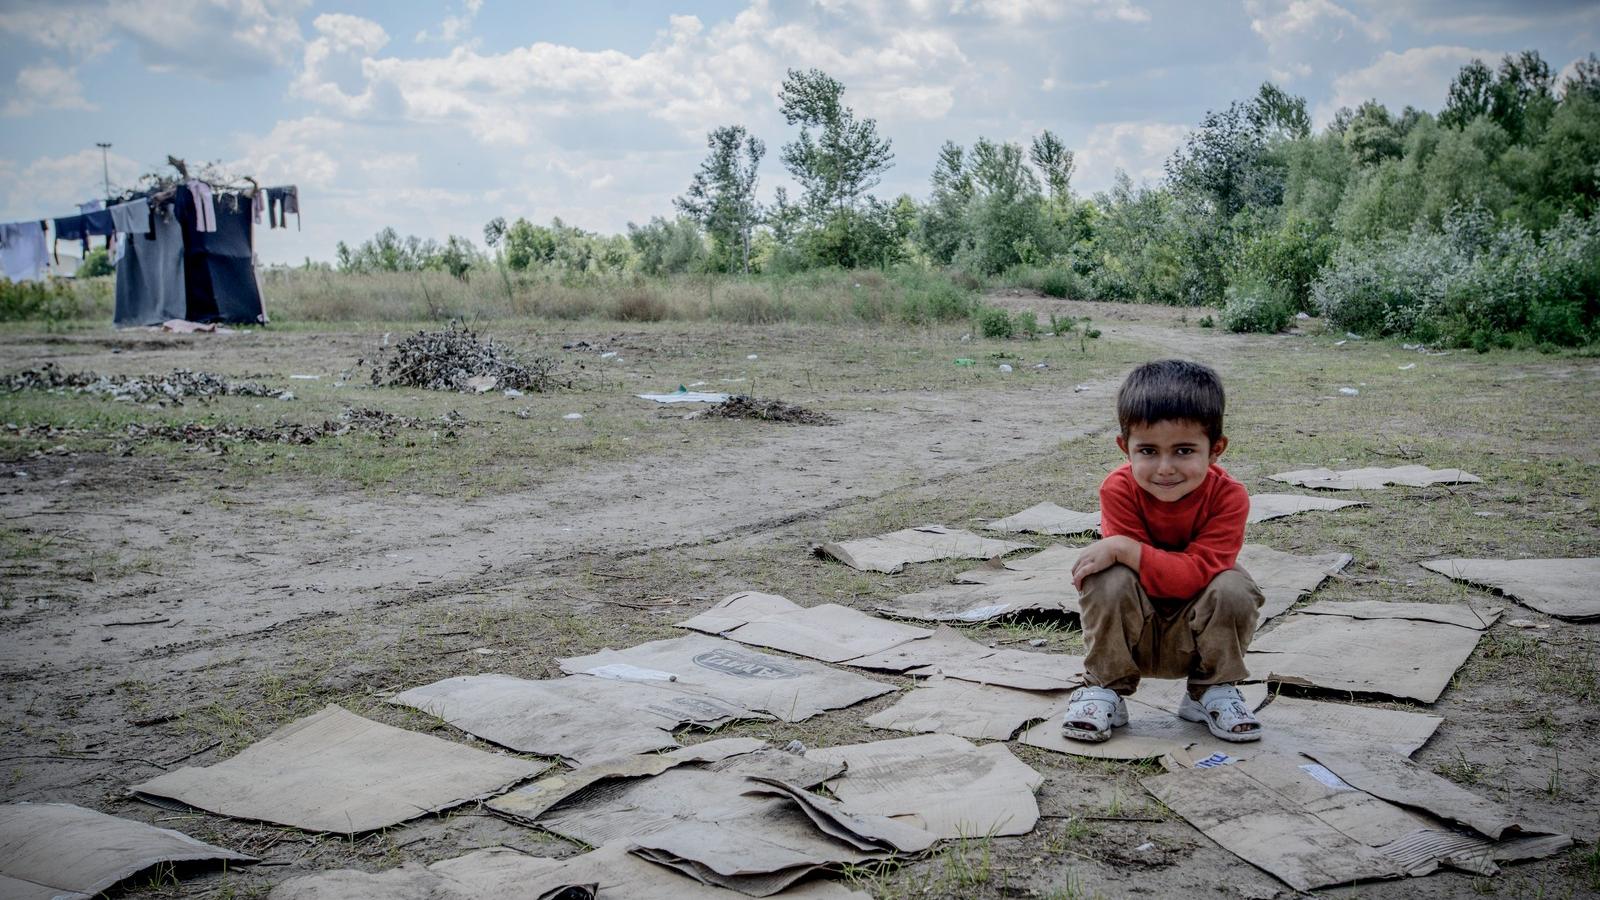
[{"x": 1186, "y": 572}]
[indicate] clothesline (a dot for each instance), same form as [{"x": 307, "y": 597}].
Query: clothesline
[{"x": 24, "y": 245}]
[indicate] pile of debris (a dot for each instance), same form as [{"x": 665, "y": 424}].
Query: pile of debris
[
  {"x": 456, "y": 359},
  {"x": 162, "y": 389},
  {"x": 373, "y": 422},
  {"x": 741, "y": 406}
]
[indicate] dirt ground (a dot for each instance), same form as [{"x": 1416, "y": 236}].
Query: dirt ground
[{"x": 166, "y": 604}]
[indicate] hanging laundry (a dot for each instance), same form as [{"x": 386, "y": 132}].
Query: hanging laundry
[
  {"x": 151, "y": 284},
  {"x": 97, "y": 222},
  {"x": 71, "y": 228},
  {"x": 219, "y": 271},
  {"x": 91, "y": 206},
  {"x": 280, "y": 202},
  {"x": 258, "y": 202},
  {"x": 132, "y": 221},
  {"x": 22, "y": 251},
  {"x": 204, "y": 206}
]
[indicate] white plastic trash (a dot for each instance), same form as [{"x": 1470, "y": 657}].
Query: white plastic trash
[
  {"x": 1349, "y": 392},
  {"x": 1004, "y": 367},
  {"x": 752, "y": 356},
  {"x": 573, "y": 416}
]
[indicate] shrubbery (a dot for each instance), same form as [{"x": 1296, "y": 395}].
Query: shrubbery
[{"x": 1259, "y": 307}]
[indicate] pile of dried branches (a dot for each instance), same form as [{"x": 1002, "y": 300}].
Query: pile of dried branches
[
  {"x": 740, "y": 406},
  {"x": 162, "y": 389},
  {"x": 374, "y": 422},
  {"x": 455, "y": 359}
]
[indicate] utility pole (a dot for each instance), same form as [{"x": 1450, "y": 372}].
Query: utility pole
[{"x": 105, "y": 167}]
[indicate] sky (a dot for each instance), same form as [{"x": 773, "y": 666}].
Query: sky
[{"x": 433, "y": 118}]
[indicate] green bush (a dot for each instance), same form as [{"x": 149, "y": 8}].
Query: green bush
[
  {"x": 1027, "y": 323},
  {"x": 1392, "y": 285},
  {"x": 995, "y": 323},
  {"x": 97, "y": 264},
  {"x": 1207, "y": 322},
  {"x": 930, "y": 296},
  {"x": 1261, "y": 308},
  {"x": 42, "y": 301}
]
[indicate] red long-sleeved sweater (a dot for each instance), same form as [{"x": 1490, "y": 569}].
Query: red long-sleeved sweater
[{"x": 1187, "y": 542}]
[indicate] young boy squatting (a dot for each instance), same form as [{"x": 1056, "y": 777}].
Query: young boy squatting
[{"x": 1160, "y": 594}]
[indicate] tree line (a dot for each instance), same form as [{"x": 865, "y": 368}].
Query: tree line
[{"x": 1475, "y": 225}]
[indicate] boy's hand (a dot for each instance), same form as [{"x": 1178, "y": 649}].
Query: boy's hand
[{"x": 1102, "y": 555}]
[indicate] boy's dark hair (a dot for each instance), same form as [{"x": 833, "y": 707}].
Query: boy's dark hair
[{"x": 1172, "y": 390}]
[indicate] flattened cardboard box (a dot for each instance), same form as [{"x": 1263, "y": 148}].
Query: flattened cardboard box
[
  {"x": 891, "y": 552},
  {"x": 791, "y": 689},
  {"x": 938, "y": 783},
  {"x": 828, "y": 632},
  {"x": 57, "y": 851},
  {"x": 1564, "y": 588},
  {"x": 337, "y": 772},
  {"x": 579, "y": 718}
]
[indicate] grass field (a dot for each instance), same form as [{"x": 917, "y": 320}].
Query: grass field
[{"x": 340, "y": 571}]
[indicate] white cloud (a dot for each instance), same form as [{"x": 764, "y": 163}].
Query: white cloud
[
  {"x": 297, "y": 151},
  {"x": 46, "y": 86},
  {"x": 217, "y": 39},
  {"x": 1303, "y": 36},
  {"x": 454, "y": 26},
  {"x": 1138, "y": 148},
  {"x": 333, "y": 69},
  {"x": 1019, "y": 12},
  {"x": 53, "y": 186},
  {"x": 1419, "y": 77}
]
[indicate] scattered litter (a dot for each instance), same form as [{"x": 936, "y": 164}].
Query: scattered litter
[
  {"x": 1408, "y": 367},
  {"x": 964, "y": 361},
  {"x": 685, "y": 396},
  {"x": 1048, "y": 518},
  {"x": 1278, "y": 816},
  {"x": 184, "y": 326},
  {"x": 306, "y": 377},
  {"x": 485, "y": 651},
  {"x": 1215, "y": 759},
  {"x": 1527, "y": 623},
  {"x": 608, "y": 354},
  {"x": 1410, "y": 658},
  {"x": 1302, "y": 316},
  {"x": 1564, "y": 588},
  {"x": 939, "y": 783},
  {"x": 1349, "y": 391},
  {"x": 1374, "y": 477},
  {"x": 162, "y": 389},
  {"x": 573, "y": 417},
  {"x": 1340, "y": 343},
  {"x": 827, "y": 632},
  {"x": 969, "y": 710},
  {"x": 1145, "y": 847},
  {"x": 890, "y": 553},
  {"x": 338, "y": 772},
  {"x": 58, "y": 850},
  {"x": 751, "y": 356},
  {"x": 741, "y": 406},
  {"x": 791, "y": 689},
  {"x": 579, "y": 718},
  {"x": 455, "y": 359},
  {"x": 356, "y": 420},
  {"x": 511, "y": 392},
  {"x": 1005, "y": 367},
  {"x": 695, "y": 384},
  {"x": 1265, "y": 507},
  {"x": 1079, "y": 388}
]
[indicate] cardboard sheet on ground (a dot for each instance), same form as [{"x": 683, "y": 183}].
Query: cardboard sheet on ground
[
  {"x": 791, "y": 689},
  {"x": 579, "y": 718},
  {"x": 750, "y": 834},
  {"x": 938, "y": 783},
  {"x": 948, "y": 652},
  {"x": 1564, "y": 588},
  {"x": 891, "y": 552},
  {"x": 1153, "y": 728},
  {"x": 1048, "y": 518},
  {"x": 1297, "y": 819},
  {"x": 962, "y": 708},
  {"x": 1043, "y": 583},
  {"x": 1408, "y": 658},
  {"x": 828, "y": 632},
  {"x": 58, "y": 851},
  {"x": 1446, "y": 613},
  {"x": 1265, "y": 507},
  {"x": 500, "y": 873},
  {"x": 338, "y": 772},
  {"x": 1374, "y": 477}
]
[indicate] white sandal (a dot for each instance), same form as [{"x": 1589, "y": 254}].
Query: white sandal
[
  {"x": 1091, "y": 714},
  {"x": 1222, "y": 709}
]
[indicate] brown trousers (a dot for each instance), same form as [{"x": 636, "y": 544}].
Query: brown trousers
[{"x": 1129, "y": 634}]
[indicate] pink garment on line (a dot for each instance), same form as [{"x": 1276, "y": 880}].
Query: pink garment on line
[{"x": 205, "y": 209}]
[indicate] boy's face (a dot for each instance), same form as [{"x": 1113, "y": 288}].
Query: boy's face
[{"x": 1170, "y": 458}]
